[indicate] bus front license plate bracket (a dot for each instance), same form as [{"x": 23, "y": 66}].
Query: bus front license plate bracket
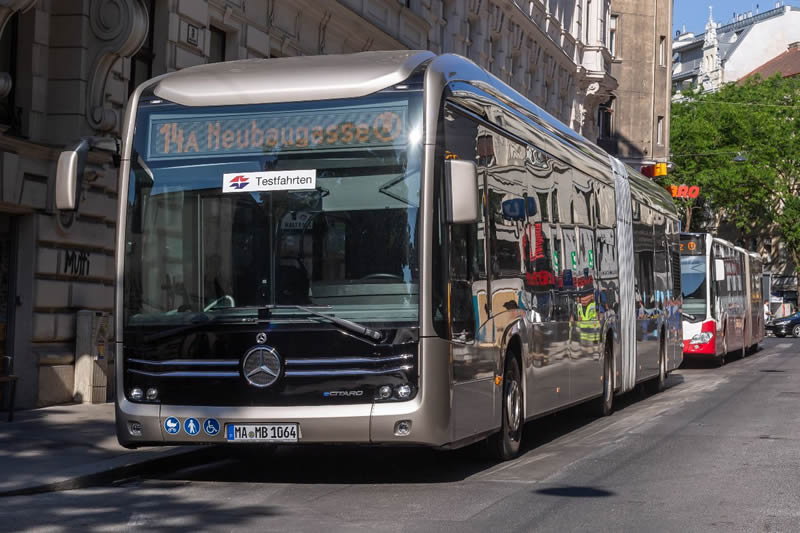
[{"x": 266, "y": 432}]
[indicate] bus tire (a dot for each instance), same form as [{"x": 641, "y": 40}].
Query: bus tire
[
  {"x": 741, "y": 354},
  {"x": 659, "y": 383},
  {"x": 721, "y": 358},
  {"x": 606, "y": 406},
  {"x": 505, "y": 444}
]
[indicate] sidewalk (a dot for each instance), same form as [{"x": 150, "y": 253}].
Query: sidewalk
[{"x": 69, "y": 446}]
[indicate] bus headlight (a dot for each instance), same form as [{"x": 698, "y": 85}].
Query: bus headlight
[
  {"x": 403, "y": 392},
  {"x": 701, "y": 338},
  {"x": 136, "y": 394},
  {"x": 384, "y": 392}
]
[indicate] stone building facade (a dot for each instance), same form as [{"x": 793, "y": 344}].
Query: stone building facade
[
  {"x": 635, "y": 125},
  {"x": 68, "y": 66}
]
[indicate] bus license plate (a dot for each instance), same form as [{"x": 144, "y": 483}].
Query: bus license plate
[{"x": 263, "y": 432}]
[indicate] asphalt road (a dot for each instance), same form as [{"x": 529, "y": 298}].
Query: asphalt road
[{"x": 717, "y": 451}]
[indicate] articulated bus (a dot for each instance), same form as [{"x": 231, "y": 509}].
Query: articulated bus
[
  {"x": 383, "y": 248},
  {"x": 722, "y": 298}
]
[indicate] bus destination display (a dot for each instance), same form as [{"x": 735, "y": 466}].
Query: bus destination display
[
  {"x": 692, "y": 245},
  {"x": 182, "y": 135}
]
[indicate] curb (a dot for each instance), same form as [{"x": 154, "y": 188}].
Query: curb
[{"x": 173, "y": 460}]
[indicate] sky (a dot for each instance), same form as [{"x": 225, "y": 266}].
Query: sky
[{"x": 694, "y": 13}]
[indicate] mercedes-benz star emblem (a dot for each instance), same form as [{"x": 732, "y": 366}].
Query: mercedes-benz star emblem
[
  {"x": 261, "y": 366},
  {"x": 261, "y": 338}
]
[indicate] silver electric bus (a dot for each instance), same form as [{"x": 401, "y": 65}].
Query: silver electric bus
[
  {"x": 722, "y": 298},
  {"x": 383, "y": 247}
]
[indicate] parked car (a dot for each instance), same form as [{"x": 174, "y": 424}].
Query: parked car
[{"x": 789, "y": 325}]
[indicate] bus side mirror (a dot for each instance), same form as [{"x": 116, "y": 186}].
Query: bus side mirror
[
  {"x": 69, "y": 175},
  {"x": 719, "y": 269},
  {"x": 461, "y": 185}
]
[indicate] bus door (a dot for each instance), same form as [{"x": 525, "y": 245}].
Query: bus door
[{"x": 586, "y": 369}]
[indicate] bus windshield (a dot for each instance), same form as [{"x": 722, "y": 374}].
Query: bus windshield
[
  {"x": 231, "y": 209},
  {"x": 693, "y": 284}
]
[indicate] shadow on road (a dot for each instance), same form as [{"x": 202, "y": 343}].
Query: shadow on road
[
  {"x": 157, "y": 507},
  {"x": 349, "y": 464},
  {"x": 576, "y": 492}
]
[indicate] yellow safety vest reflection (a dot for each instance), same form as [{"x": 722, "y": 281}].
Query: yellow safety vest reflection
[{"x": 588, "y": 324}]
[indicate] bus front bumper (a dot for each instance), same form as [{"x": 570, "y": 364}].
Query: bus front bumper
[{"x": 372, "y": 423}]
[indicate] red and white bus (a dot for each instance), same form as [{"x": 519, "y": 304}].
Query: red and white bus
[{"x": 721, "y": 285}]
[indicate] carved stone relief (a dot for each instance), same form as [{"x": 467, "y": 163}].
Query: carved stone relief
[{"x": 120, "y": 29}]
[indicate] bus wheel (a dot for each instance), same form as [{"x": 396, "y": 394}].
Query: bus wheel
[
  {"x": 505, "y": 444},
  {"x": 607, "y": 400},
  {"x": 659, "y": 383},
  {"x": 741, "y": 354},
  {"x": 721, "y": 357}
]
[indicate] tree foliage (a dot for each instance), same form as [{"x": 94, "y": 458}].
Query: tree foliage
[{"x": 741, "y": 145}]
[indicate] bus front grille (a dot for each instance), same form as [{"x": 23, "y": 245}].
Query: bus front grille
[{"x": 294, "y": 367}]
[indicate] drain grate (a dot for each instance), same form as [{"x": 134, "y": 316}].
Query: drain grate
[
  {"x": 790, "y": 394},
  {"x": 772, "y": 370}
]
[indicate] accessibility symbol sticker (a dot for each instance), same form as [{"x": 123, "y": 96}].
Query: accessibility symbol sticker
[
  {"x": 191, "y": 426},
  {"x": 172, "y": 425},
  {"x": 211, "y": 426}
]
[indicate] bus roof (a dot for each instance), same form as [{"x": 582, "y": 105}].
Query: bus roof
[{"x": 289, "y": 79}]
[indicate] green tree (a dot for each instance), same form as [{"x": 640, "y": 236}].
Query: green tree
[{"x": 740, "y": 145}]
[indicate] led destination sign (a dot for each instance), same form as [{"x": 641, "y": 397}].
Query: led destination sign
[
  {"x": 693, "y": 245},
  {"x": 197, "y": 135}
]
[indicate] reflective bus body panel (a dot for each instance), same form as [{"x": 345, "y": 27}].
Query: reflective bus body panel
[{"x": 553, "y": 299}]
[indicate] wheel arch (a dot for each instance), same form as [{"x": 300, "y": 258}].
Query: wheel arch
[{"x": 513, "y": 343}]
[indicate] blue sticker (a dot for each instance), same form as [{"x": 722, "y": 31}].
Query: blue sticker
[
  {"x": 230, "y": 432},
  {"x": 191, "y": 426},
  {"x": 172, "y": 425},
  {"x": 211, "y": 426}
]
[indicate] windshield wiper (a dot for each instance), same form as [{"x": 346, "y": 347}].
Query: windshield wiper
[{"x": 349, "y": 325}]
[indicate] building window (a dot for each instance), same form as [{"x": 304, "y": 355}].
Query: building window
[
  {"x": 604, "y": 121},
  {"x": 216, "y": 45},
  {"x": 662, "y": 51},
  {"x": 8, "y": 65},
  {"x": 588, "y": 14},
  {"x": 468, "y": 40},
  {"x": 612, "y": 35},
  {"x": 142, "y": 61},
  {"x": 603, "y": 15},
  {"x": 660, "y": 131}
]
